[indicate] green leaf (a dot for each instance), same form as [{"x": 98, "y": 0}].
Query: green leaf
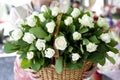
[
  {"x": 75, "y": 66},
  {"x": 86, "y": 54},
  {"x": 98, "y": 55},
  {"x": 37, "y": 20},
  {"x": 23, "y": 55},
  {"x": 98, "y": 32},
  {"x": 71, "y": 28},
  {"x": 38, "y": 53},
  {"x": 94, "y": 39},
  {"x": 113, "y": 43},
  {"x": 47, "y": 62},
  {"x": 95, "y": 57},
  {"x": 26, "y": 27},
  {"x": 102, "y": 61},
  {"x": 88, "y": 13},
  {"x": 59, "y": 65},
  {"x": 10, "y": 47},
  {"x": 38, "y": 32},
  {"x": 81, "y": 48},
  {"x": 32, "y": 47},
  {"x": 69, "y": 11},
  {"x": 22, "y": 43},
  {"x": 111, "y": 59},
  {"x": 113, "y": 49},
  {"x": 10, "y": 32},
  {"x": 61, "y": 34},
  {"x": 85, "y": 41},
  {"x": 48, "y": 38},
  {"x": 102, "y": 48},
  {"x": 49, "y": 11},
  {"x": 24, "y": 46},
  {"x": 36, "y": 64},
  {"x": 83, "y": 30},
  {"x": 42, "y": 61},
  {"x": 19, "y": 52},
  {"x": 47, "y": 16},
  {"x": 70, "y": 48},
  {"x": 25, "y": 63}
]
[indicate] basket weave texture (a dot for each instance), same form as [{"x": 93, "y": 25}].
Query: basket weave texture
[{"x": 49, "y": 73}]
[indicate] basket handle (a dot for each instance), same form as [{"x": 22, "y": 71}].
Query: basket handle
[{"x": 58, "y": 21}]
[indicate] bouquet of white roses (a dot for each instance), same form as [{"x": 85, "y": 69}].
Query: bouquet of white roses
[{"x": 71, "y": 38}]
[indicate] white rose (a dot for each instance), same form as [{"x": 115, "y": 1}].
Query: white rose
[
  {"x": 35, "y": 13},
  {"x": 19, "y": 22},
  {"x": 28, "y": 37},
  {"x": 91, "y": 47},
  {"x": 40, "y": 44},
  {"x": 102, "y": 22},
  {"x": 49, "y": 53},
  {"x": 17, "y": 34},
  {"x": 60, "y": 43},
  {"x": 55, "y": 11},
  {"x": 30, "y": 55},
  {"x": 41, "y": 17},
  {"x": 50, "y": 26},
  {"x": 75, "y": 56},
  {"x": 75, "y": 13},
  {"x": 105, "y": 37},
  {"x": 44, "y": 8},
  {"x": 87, "y": 21},
  {"x": 76, "y": 36},
  {"x": 68, "y": 21},
  {"x": 31, "y": 21}
]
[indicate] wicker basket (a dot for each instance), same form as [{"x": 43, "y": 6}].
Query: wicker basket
[{"x": 49, "y": 73}]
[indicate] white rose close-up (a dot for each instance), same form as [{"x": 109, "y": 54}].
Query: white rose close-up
[
  {"x": 49, "y": 52},
  {"x": 60, "y": 43},
  {"x": 75, "y": 56},
  {"x": 105, "y": 37},
  {"x": 50, "y": 26},
  {"x": 29, "y": 38},
  {"x": 86, "y": 21},
  {"x": 19, "y": 22},
  {"x": 41, "y": 17},
  {"x": 102, "y": 22},
  {"x": 30, "y": 55},
  {"x": 40, "y": 44},
  {"x": 44, "y": 8},
  {"x": 31, "y": 21},
  {"x": 76, "y": 36},
  {"x": 55, "y": 11},
  {"x": 35, "y": 13},
  {"x": 75, "y": 13},
  {"x": 68, "y": 21},
  {"x": 91, "y": 47},
  {"x": 17, "y": 34}
]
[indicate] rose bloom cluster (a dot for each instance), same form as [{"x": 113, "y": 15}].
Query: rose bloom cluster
[{"x": 80, "y": 37}]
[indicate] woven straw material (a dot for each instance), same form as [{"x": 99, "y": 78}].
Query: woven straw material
[{"x": 49, "y": 73}]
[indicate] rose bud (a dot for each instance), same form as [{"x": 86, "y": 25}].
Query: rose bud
[{"x": 95, "y": 18}]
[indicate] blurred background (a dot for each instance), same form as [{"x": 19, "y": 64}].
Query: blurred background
[{"x": 110, "y": 9}]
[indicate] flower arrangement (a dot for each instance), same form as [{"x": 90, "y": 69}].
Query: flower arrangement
[{"x": 63, "y": 39}]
